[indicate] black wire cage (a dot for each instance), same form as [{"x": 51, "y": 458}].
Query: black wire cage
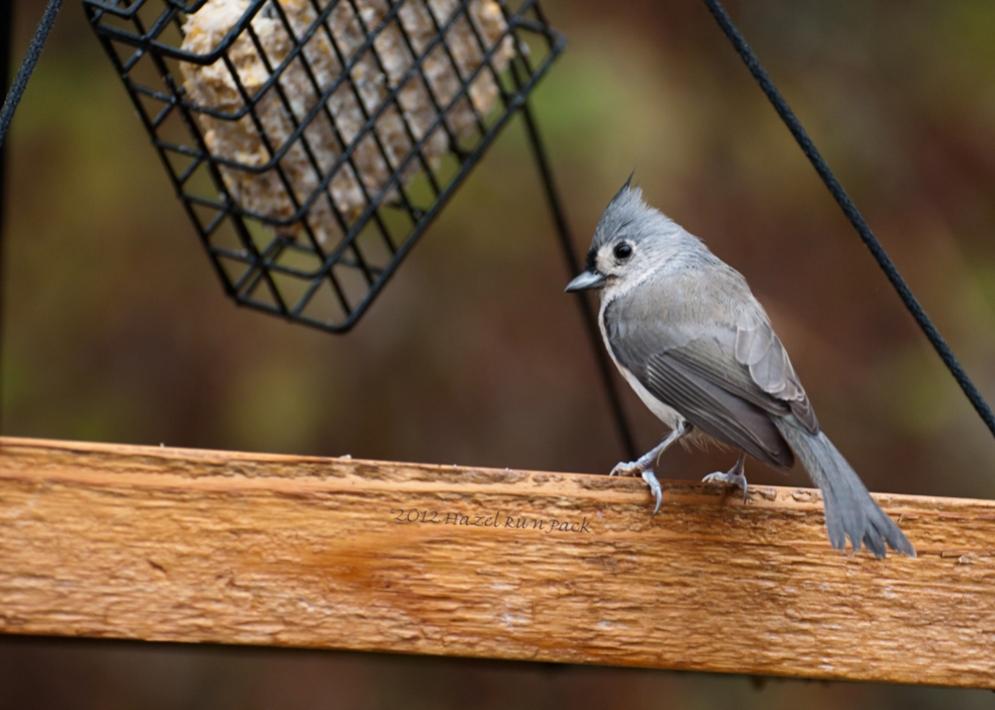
[{"x": 313, "y": 141}]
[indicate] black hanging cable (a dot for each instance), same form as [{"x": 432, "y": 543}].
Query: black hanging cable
[
  {"x": 13, "y": 97},
  {"x": 852, "y": 213},
  {"x": 586, "y": 312},
  {"x": 6, "y": 52}
]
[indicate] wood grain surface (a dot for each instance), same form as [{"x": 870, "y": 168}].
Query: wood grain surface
[{"x": 208, "y": 546}]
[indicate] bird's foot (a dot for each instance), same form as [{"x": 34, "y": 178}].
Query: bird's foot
[
  {"x": 640, "y": 468},
  {"x": 627, "y": 468},
  {"x": 734, "y": 477},
  {"x": 654, "y": 485}
]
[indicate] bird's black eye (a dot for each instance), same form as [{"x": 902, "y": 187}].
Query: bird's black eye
[{"x": 623, "y": 250}]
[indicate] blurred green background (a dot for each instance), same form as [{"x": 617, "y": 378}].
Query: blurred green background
[{"x": 115, "y": 328}]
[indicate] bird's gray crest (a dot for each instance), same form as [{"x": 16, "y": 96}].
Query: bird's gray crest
[
  {"x": 625, "y": 186},
  {"x": 627, "y": 210}
]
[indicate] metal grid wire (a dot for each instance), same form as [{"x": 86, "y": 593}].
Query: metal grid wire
[{"x": 350, "y": 200}]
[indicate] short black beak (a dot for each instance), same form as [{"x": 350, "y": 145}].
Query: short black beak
[{"x": 586, "y": 280}]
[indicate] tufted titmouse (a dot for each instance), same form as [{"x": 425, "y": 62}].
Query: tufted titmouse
[{"x": 694, "y": 343}]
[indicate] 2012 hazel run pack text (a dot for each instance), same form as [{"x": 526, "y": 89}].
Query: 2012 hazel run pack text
[{"x": 500, "y": 519}]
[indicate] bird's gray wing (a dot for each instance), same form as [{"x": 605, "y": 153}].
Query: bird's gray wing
[
  {"x": 722, "y": 368},
  {"x": 712, "y": 408},
  {"x": 759, "y": 350}
]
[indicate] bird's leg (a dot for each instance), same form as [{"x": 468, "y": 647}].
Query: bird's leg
[
  {"x": 643, "y": 466},
  {"x": 647, "y": 460},
  {"x": 735, "y": 476}
]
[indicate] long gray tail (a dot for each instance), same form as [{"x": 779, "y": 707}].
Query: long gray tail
[{"x": 850, "y": 510}]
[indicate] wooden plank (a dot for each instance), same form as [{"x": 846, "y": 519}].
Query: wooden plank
[{"x": 208, "y": 546}]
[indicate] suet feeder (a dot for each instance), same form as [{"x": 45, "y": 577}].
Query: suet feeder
[{"x": 312, "y": 142}]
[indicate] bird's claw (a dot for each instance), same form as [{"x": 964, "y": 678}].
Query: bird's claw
[
  {"x": 729, "y": 478},
  {"x": 638, "y": 468},
  {"x": 650, "y": 478},
  {"x": 627, "y": 468}
]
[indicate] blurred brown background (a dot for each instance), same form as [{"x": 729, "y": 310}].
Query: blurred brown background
[{"x": 116, "y": 330}]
